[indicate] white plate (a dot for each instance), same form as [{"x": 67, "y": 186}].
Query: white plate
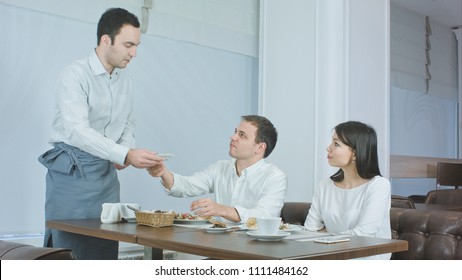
[
  {"x": 190, "y": 222},
  {"x": 245, "y": 227},
  {"x": 211, "y": 229},
  {"x": 292, "y": 228},
  {"x": 268, "y": 237}
]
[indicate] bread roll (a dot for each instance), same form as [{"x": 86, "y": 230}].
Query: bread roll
[
  {"x": 202, "y": 218},
  {"x": 218, "y": 224},
  {"x": 251, "y": 223}
]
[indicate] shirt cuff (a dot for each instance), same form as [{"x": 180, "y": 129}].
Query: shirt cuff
[
  {"x": 119, "y": 153},
  {"x": 242, "y": 212}
]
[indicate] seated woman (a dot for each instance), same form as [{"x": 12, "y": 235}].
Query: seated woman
[{"x": 356, "y": 199}]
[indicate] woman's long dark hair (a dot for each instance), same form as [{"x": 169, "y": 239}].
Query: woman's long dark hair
[{"x": 363, "y": 140}]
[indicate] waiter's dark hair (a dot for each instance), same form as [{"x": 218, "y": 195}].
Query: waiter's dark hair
[
  {"x": 111, "y": 22},
  {"x": 363, "y": 140}
]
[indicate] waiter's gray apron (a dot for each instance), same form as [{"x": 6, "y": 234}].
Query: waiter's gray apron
[{"x": 77, "y": 184}]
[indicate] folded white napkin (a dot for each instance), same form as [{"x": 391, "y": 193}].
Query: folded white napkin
[{"x": 115, "y": 212}]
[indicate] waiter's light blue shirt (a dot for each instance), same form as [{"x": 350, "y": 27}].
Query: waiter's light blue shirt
[{"x": 94, "y": 109}]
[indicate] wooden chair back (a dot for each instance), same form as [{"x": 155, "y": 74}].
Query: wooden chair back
[{"x": 448, "y": 174}]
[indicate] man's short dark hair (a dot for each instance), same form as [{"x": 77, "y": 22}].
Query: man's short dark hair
[
  {"x": 112, "y": 21},
  {"x": 266, "y": 132}
]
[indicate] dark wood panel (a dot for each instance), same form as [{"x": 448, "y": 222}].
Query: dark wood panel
[{"x": 415, "y": 167}]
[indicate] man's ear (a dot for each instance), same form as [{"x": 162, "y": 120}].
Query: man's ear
[
  {"x": 262, "y": 147},
  {"x": 106, "y": 39}
]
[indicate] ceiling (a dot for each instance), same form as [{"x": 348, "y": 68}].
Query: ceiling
[{"x": 448, "y": 12}]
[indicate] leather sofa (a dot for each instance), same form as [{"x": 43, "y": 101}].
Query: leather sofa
[
  {"x": 295, "y": 212},
  {"x": 19, "y": 251},
  {"x": 432, "y": 235},
  {"x": 398, "y": 201},
  {"x": 448, "y": 197}
]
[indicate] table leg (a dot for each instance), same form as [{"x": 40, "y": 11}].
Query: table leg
[{"x": 153, "y": 253}]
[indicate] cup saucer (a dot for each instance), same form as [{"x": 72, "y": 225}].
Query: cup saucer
[
  {"x": 211, "y": 229},
  {"x": 268, "y": 237}
]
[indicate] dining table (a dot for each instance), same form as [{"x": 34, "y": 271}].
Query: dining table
[{"x": 234, "y": 244}]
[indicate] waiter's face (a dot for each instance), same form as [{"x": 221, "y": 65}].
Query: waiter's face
[{"x": 124, "y": 47}]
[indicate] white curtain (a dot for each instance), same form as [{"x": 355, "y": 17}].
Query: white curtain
[{"x": 408, "y": 54}]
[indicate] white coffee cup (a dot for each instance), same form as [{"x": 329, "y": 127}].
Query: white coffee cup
[
  {"x": 126, "y": 212},
  {"x": 268, "y": 225},
  {"x": 110, "y": 213}
]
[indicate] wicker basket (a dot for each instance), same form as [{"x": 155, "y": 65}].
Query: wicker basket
[{"x": 153, "y": 219}]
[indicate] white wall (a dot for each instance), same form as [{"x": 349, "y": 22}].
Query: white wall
[
  {"x": 286, "y": 88},
  {"x": 458, "y": 33},
  {"x": 226, "y": 25},
  {"x": 369, "y": 70}
]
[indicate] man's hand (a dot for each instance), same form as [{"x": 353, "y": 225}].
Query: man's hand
[
  {"x": 142, "y": 158},
  {"x": 160, "y": 170},
  {"x": 157, "y": 170},
  {"x": 120, "y": 167},
  {"x": 208, "y": 207}
]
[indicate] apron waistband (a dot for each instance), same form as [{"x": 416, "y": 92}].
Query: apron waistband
[{"x": 51, "y": 159}]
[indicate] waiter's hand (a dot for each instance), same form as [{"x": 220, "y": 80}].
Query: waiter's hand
[
  {"x": 142, "y": 158},
  {"x": 120, "y": 167}
]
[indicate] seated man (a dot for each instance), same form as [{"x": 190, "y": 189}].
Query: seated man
[{"x": 245, "y": 186}]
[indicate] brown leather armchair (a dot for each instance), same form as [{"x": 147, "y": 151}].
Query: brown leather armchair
[
  {"x": 295, "y": 212},
  {"x": 447, "y": 197},
  {"x": 432, "y": 235},
  {"x": 398, "y": 201},
  {"x": 19, "y": 251}
]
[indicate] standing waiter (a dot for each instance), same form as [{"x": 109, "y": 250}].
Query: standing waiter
[{"x": 93, "y": 135}]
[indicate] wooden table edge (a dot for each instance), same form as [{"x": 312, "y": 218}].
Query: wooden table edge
[{"x": 94, "y": 232}]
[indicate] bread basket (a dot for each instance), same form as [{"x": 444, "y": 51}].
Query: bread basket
[{"x": 155, "y": 219}]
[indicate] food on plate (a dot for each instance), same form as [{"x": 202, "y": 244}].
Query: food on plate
[
  {"x": 190, "y": 217},
  {"x": 251, "y": 223},
  {"x": 283, "y": 226},
  {"x": 218, "y": 224},
  {"x": 203, "y": 218}
]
